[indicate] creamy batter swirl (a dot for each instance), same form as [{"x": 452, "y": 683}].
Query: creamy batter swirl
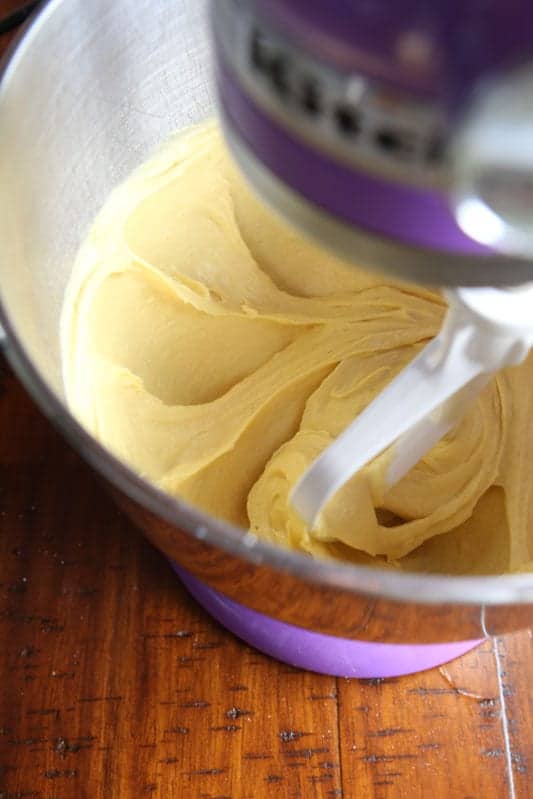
[{"x": 218, "y": 353}]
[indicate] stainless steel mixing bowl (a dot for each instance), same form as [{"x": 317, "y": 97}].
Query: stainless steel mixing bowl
[{"x": 86, "y": 94}]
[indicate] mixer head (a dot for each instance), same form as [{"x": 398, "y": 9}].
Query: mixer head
[{"x": 398, "y": 134}]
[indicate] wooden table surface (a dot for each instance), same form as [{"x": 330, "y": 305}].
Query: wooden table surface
[{"x": 114, "y": 684}]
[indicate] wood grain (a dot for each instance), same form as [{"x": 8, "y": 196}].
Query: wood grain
[{"x": 113, "y": 683}]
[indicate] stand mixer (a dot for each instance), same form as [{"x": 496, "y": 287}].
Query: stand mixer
[
  {"x": 376, "y": 153},
  {"x": 398, "y": 135}
]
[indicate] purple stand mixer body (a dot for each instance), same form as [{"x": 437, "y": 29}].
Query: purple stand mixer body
[
  {"x": 431, "y": 55},
  {"x": 325, "y": 654}
]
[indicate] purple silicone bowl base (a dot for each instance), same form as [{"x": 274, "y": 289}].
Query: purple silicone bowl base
[{"x": 326, "y": 654}]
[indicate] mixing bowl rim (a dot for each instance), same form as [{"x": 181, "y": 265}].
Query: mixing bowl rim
[{"x": 417, "y": 588}]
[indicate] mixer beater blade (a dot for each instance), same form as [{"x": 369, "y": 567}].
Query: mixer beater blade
[{"x": 485, "y": 330}]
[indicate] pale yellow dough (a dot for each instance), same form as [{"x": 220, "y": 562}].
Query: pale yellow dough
[{"x": 218, "y": 352}]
